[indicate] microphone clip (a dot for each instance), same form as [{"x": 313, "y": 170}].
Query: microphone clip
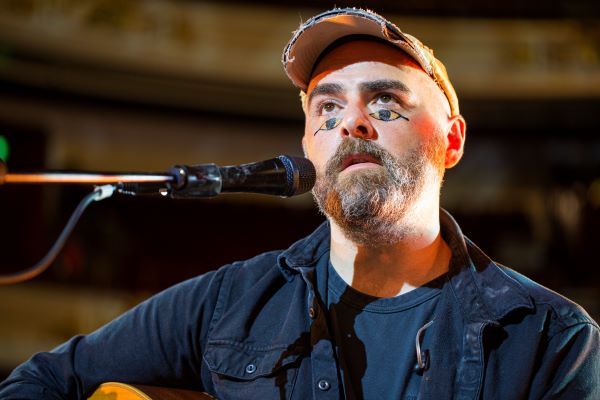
[
  {"x": 193, "y": 181},
  {"x": 186, "y": 182}
]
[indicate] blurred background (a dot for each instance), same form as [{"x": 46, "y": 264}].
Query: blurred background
[{"x": 142, "y": 85}]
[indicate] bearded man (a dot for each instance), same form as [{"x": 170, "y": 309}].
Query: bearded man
[{"x": 387, "y": 299}]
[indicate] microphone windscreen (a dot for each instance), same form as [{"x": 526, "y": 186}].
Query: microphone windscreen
[{"x": 300, "y": 173}]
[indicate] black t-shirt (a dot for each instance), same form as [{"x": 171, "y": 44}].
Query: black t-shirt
[{"x": 375, "y": 337}]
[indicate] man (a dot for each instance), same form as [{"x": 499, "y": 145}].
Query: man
[{"x": 386, "y": 300}]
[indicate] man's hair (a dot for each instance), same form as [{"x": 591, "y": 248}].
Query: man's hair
[{"x": 304, "y": 101}]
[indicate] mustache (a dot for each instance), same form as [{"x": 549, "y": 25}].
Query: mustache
[{"x": 354, "y": 146}]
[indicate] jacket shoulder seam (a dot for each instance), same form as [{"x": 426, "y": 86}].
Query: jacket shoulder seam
[
  {"x": 571, "y": 326},
  {"x": 573, "y": 320}
]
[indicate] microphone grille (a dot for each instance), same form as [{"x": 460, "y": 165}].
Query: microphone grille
[{"x": 301, "y": 174}]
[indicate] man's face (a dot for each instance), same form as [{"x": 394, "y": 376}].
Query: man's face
[{"x": 375, "y": 126}]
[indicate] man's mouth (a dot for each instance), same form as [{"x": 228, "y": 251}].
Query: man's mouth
[{"x": 359, "y": 159}]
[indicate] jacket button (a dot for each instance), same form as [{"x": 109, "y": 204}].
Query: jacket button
[
  {"x": 323, "y": 385},
  {"x": 250, "y": 368},
  {"x": 312, "y": 313}
]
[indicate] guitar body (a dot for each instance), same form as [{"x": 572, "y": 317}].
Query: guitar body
[{"x": 123, "y": 391}]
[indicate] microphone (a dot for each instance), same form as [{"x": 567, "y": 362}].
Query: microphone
[{"x": 281, "y": 176}]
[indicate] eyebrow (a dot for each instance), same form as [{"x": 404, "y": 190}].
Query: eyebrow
[
  {"x": 384, "y": 84},
  {"x": 371, "y": 86},
  {"x": 325, "y": 88}
]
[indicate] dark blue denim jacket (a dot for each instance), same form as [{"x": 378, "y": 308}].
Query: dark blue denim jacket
[{"x": 257, "y": 329}]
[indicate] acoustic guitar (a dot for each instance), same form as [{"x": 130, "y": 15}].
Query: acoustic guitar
[{"x": 123, "y": 391}]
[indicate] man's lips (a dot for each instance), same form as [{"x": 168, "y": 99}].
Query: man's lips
[{"x": 359, "y": 158}]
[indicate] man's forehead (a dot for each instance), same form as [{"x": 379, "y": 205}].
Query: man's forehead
[{"x": 359, "y": 51}]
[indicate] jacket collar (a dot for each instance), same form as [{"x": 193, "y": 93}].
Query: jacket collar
[
  {"x": 305, "y": 252},
  {"x": 483, "y": 290}
]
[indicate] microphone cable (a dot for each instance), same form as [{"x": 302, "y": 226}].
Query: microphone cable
[{"x": 99, "y": 193}]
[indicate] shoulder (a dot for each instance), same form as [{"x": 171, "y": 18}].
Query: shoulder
[
  {"x": 253, "y": 269},
  {"x": 504, "y": 290},
  {"x": 563, "y": 312},
  {"x": 245, "y": 279},
  {"x": 259, "y": 262},
  {"x": 208, "y": 287}
]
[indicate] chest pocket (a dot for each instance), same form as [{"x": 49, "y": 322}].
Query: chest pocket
[{"x": 242, "y": 371}]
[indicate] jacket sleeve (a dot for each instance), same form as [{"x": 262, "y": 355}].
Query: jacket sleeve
[
  {"x": 570, "y": 368},
  {"x": 158, "y": 342}
]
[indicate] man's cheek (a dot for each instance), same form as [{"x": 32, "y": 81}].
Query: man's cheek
[
  {"x": 425, "y": 127},
  {"x": 319, "y": 152}
]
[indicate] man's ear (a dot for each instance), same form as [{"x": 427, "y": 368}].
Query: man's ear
[{"x": 455, "y": 142}]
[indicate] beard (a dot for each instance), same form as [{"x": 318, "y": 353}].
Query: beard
[{"x": 371, "y": 206}]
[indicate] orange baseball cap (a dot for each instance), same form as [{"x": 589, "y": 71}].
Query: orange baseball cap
[{"x": 315, "y": 35}]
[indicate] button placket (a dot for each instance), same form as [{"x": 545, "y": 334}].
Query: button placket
[{"x": 324, "y": 371}]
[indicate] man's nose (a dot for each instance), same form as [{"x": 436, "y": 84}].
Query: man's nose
[{"x": 356, "y": 123}]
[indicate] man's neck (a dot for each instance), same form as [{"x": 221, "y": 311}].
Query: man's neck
[{"x": 389, "y": 270}]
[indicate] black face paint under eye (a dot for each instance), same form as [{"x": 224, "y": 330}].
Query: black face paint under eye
[
  {"x": 387, "y": 115},
  {"x": 329, "y": 124}
]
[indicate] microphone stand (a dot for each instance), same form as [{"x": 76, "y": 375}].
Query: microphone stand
[
  {"x": 82, "y": 177},
  {"x": 93, "y": 178},
  {"x": 203, "y": 180}
]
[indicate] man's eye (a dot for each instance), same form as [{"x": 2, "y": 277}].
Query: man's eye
[
  {"x": 328, "y": 107},
  {"x": 385, "y": 98}
]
